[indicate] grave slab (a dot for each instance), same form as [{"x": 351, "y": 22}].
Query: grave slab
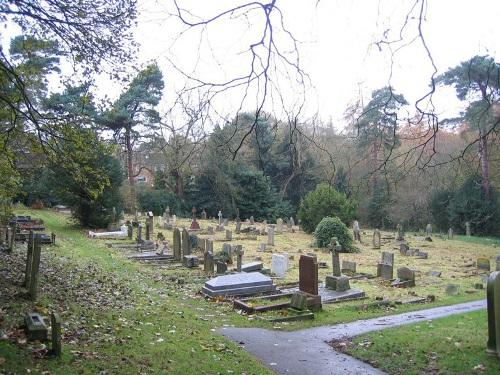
[{"x": 238, "y": 284}]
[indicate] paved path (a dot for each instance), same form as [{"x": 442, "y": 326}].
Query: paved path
[{"x": 307, "y": 351}]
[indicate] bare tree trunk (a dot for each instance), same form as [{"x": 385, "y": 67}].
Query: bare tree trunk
[
  {"x": 483, "y": 153},
  {"x": 130, "y": 169}
]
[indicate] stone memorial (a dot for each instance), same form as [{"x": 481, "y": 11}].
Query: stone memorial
[
  {"x": 239, "y": 284},
  {"x": 468, "y": 232},
  {"x": 493, "y": 309},
  {"x": 483, "y": 263},
  {"x": 400, "y": 234},
  {"x": 252, "y": 220},
  {"x": 130, "y": 231},
  {"x": 308, "y": 274},
  {"x": 208, "y": 263},
  {"x": 450, "y": 233},
  {"x": 239, "y": 257},
  {"x": 139, "y": 233},
  {"x": 428, "y": 232},
  {"x": 270, "y": 235},
  {"x": 177, "y": 244},
  {"x": 122, "y": 233},
  {"x": 356, "y": 231},
  {"x": 405, "y": 279},
  {"x": 279, "y": 225},
  {"x": 376, "y": 239},
  {"x": 279, "y": 265},
  {"x": 203, "y": 215},
  {"x": 229, "y": 235},
  {"x": 252, "y": 267},
  {"x": 385, "y": 269},
  {"x": 55, "y": 323},
  {"x": 29, "y": 259},
  {"x": 35, "y": 268},
  {"x": 348, "y": 267},
  {"x": 35, "y": 327},
  {"x": 186, "y": 244},
  {"x": 238, "y": 227},
  {"x": 220, "y": 217},
  {"x": 262, "y": 247},
  {"x": 210, "y": 230},
  {"x": 221, "y": 267},
  {"x": 190, "y": 261},
  {"x": 452, "y": 289},
  {"x": 404, "y": 249}
]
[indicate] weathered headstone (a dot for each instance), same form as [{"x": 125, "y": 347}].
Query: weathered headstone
[
  {"x": 428, "y": 230},
  {"x": 35, "y": 267},
  {"x": 252, "y": 220},
  {"x": 210, "y": 230},
  {"x": 400, "y": 235},
  {"x": 299, "y": 301},
  {"x": 239, "y": 257},
  {"x": 35, "y": 327},
  {"x": 130, "y": 231},
  {"x": 356, "y": 231},
  {"x": 262, "y": 247},
  {"x": 279, "y": 224},
  {"x": 385, "y": 269},
  {"x": 29, "y": 258},
  {"x": 177, "y": 244},
  {"x": 166, "y": 215},
  {"x": 406, "y": 278},
  {"x": 203, "y": 215},
  {"x": 221, "y": 268},
  {"x": 452, "y": 289},
  {"x": 139, "y": 233},
  {"x": 308, "y": 274},
  {"x": 252, "y": 266},
  {"x": 278, "y": 265},
  {"x": 467, "y": 229},
  {"x": 229, "y": 235},
  {"x": 190, "y": 261},
  {"x": 450, "y": 233},
  {"x": 348, "y": 266},
  {"x": 208, "y": 263},
  {"x": 194, "y": 224},
  {"x": 493, "y": 307},
  {"x": 238, "y": 227},
  {"x": 270, "y": 235},
  {"x": 186, "y": 244},
  {"x": 483, "y": 263},
  {"x": 376, "y": 239},
  {"x": 220, "y": 217},
  {"x": 148, "y": 229},
  {"x": 404, "y": 249},
  {"x": 55, "y": 323}
]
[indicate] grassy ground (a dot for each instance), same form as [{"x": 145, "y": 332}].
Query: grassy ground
[
  {"x": 452, "y": 345},
  {"x": 126, "y": 317}
]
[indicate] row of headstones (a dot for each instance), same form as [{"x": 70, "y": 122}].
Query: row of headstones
[
  {"x": 376, "y": 240},
  {"x": 385, "y": 270}
]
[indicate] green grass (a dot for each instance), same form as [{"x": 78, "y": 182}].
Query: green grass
[
  {"x": 452, "y": 345},
  {"x": 491, "y": 241},
  {"x": 128, "y": 318}
]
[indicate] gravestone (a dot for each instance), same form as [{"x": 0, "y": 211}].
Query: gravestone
[
  {"x": 376, "y": 239},
  {"x": 252, "y": 267},
  {"x": 55, "y": 323},
  {"x": 270, "y": 235},
  {"x": 238, "y": 284},
  {"x": 279, "y": 224},
  {"x": 220, "y": 217},
  {"x": 428, "y": 231},
  {"x": 238, "y": 227},
  {"x": 452, "y": 289},
  {"x": 252, "y": 220},
  {"x": 467, "y": 229},
  {"x": 166, "y": 215},
  {"x": 404, "y": 249},
  {"x": 208, "y": 263},
  {"x": 356, "y": 231},
  {"x": 299, "y": 301},
  {"x": 35, "y": 327},
  {"x": 405, "y": 279},
  {"x": 29, "y": 258},
  {"x": 400, "y": 235},
  {"x": 483, "y": 263},
  {"x": 148, "y": 229},
  {"x": 130, "y": 231},
  {"x": 348, "y": 266},
  {"x": 385, "y": 269},
  {"x": 227, "y": 249},
  {"x": 226, "y": 222},
  {"x": 219, "y": 228},
  {"x": 35, "y": 267},
  {"x": 190, "y": 261},
  {"x": 239, "y": 257},
  {"x": 194, "y": 225},
  {"x": 186, "y": 244},
  {"x": 336, "y": 281},
  {"x": 139, "y": 233},
  {"x": 229, "y": 235},
  {"x": 210, "y": 230},
  {"x": 221, "y": 268},
  {"x": 279, "y": 265},
  {"x": 203, "y": 215},
  {"x": 493, "y": 307},
  {"x": 450, "y": 233},
  {"x": 177, "y": 244},
  {"x": 308, "y": 274}
]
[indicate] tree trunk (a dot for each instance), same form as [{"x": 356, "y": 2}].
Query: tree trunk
[
  {"x": 130, "y": 169},
  {"x": 483, "y": 152}
]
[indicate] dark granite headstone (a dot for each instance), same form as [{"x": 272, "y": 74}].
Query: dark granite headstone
[
  {"x": 308, "y": 274},
  {"x": 177, "y": 244},
  {"x": 493, "y": 307}
]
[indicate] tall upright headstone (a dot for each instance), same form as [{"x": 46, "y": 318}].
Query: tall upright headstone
[
  {"x": 279, "y": 225},
  {"x": 186, "y": 244},
  {"x": 139, "y": 233},
  {"x": 148, "y": 231},
  {"x": 252, "y": 220},
  {"x": 238, "y": 227},
  {"x": 450, "y": 233},
  {"x": 239, "y": 257},
  {"x": 467, "y": 229},
  {"x": 428, "y": 230},
  {"x": 400, "y": 234},
  {"x": 35, "y": 267},
  {"x": 208, "y": 264},
  {"x": 229, "y": 235},
  {"x": 308, "y": 274},
  {"x": 279, "y": 265},
  {"x": 270, "y": 235},
  {"x": 204, "y": 215},
  {"x": 220, "y": 217},
  {"x": 130, "y": 231},
  {"x": 385, "y": 268},
  {"x": 29, "y": 258},
  {"x": 356, "y": 231},
  {"x": 55, "y": 323},
  {"x": 166, "y": 215},
  {"x": 493, "y": 306},
  {"x": 209, "y": 245},
  {"x": 376, "y": 239},
  {"x": 177, "y": 244}
]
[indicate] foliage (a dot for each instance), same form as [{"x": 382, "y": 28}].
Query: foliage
[
  {"x": 330, "y": 227},
  {"x": 439, "y": 205},
  {"x": 156, "y": 200},
  {"x": 377, "y": 210},
  {"x": 322, "y": 202}
]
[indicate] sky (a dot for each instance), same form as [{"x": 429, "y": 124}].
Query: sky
[{"x": 335, "y": 43}]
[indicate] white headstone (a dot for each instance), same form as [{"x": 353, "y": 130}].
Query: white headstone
[{"x": 279, "y": 265}]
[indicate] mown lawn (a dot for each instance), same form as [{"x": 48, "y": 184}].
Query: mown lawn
[
  {"x": 452, "y": 345},
  {"x": 125, "y": 317}
]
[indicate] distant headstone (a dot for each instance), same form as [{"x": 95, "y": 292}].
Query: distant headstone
[
  {"x": 204, "y": 215},
  {"x": 450, "y": 233},
  {"x": 139, "y": 233},
  {"x": 467, "y": 229},
  {"x": 483, "y": 263},
  {"x": 452, "y": 289},
  {"x": 406, "y": 278},
  {"x": 210, "y": 230},
  {"x": 220, "y": 217},
  {"x": 166, "y": 215},
  {"x": 262, "y": 247},
  {"x": 356, "y": 231},
  {"x": 376, "y": 239},
  {"x": 278, "y": 265},
  {"x": 270, "y": 235},
  {"x": 336, "y": 264},
  {"x": 186, "y": 244},
  {"x": 229, "y": 235},
  {"x": 400, "y": 234},
  {"x": 404, "y": 249},
  {"x": 208, "y": 263},
  {"x": 194, "y": 224},
  {"x": 279, "y": 225},
  {"x": 130, "y": 231},
  {"x": 428, "y": 230},
  {"x": 252, "y": 220},
  {"x": 308, "y": 274},
  {"x": 177, "y": 244},
  {"x": 299, "y": 301},
  {"x": 148, "y": 231},
  {"x": 238, "y": 227}
]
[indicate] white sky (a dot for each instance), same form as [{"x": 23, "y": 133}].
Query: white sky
[{"x": 335, "y": 49}]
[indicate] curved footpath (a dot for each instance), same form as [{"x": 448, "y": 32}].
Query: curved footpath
[{"x": 307, "y": 351}]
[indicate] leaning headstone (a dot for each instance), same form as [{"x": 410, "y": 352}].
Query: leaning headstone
[
  {"x": 208, "y": 263},
  {"x": 55, "y": 323},
  {"x": 177, "y": 244},
  {"x": 35, "y": 267},
  {"x": 483, "y": 263},
  {"x": 493, "y": 307},
  {"x": 252, "y": 266},
  {"x": 308, "y": 274},
  {"x": 270, "y": 235},
  {"x": 467, "y": 229},
  {"x": 229, "y": 235},
  {"x": 376, "y": 239},
  {"x": 278, "y": 265},
  {"x": 450, "y": 233},
  {"x": 186, "y": 244}
]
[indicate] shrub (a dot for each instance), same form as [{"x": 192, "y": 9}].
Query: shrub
[
  {"x": 322, "y": 202},
  {"x": 333, "y": 227}
]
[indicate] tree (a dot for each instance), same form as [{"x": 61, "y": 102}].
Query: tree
[
  {"x": 478, "y": 81},
  {"x": 377, "y": 128},
  {"x": 135, "y": 107}
]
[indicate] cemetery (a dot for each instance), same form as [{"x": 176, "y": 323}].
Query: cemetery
[{"x": 249, "y": 187}]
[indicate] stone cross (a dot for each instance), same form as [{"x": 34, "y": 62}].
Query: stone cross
[
  {"x": 55, "y": 323},
  {"x": 270, "y": 235},
  {"x": 467, "y": 229},
  {"x": 220, "y": 217},
  {"x": 239, "y": 257},
  {"x": 450, "y": 233},
  {"x": 177, "y": 244},
  {"x": 334, "y": 249},
  {"x": 376, "y": 239}
]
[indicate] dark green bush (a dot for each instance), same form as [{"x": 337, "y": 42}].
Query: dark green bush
[
  {"x": 322, "y": 202},
  {"x": 333, "y": 227}
]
